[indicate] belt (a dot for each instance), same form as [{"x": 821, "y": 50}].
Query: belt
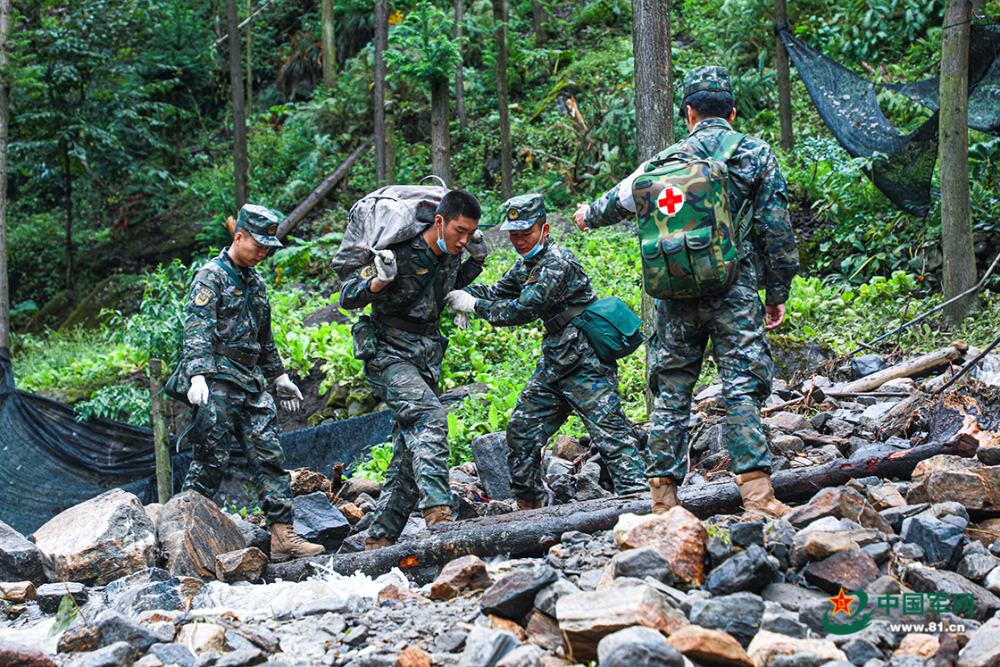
[
  {"x": 408, "y": 326},
  {"x": 248, "y": 359},
  {"x": 559, "y": 322}
]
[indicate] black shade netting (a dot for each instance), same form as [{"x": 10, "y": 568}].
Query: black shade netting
[
  {"x": 50, "y": 462},
  {"x": 904, "y": 163}
]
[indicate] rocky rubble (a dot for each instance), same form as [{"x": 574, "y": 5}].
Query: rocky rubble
[{"x": 879, "y": 572}]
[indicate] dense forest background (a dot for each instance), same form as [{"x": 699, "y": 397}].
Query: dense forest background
[{"x": 121, "y": 171}]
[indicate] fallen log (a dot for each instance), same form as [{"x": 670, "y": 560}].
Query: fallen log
[
  {"x": 910, "y": 368},
  {"x": 531, "y": 533},
  {"x": 293, "y": 218}
]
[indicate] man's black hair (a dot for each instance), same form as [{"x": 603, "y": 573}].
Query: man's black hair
[
  {"x": 708, "y": 104},
  {"x": 457, "y": 203}
]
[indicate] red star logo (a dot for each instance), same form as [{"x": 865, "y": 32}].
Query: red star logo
[
  {"x": 841, "y": 603},
  {"x": 671, "y": 200}
]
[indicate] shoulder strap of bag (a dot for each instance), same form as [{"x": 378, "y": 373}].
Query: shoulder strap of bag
[{"x": 238, "y": 282}]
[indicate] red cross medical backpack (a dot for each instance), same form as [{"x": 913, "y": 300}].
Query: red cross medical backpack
[{"x": 690, "y": 245}]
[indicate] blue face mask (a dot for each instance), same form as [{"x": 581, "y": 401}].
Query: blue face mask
[
  {"x": 534, "y": 251},
  {"x": 442, "y": 245}
]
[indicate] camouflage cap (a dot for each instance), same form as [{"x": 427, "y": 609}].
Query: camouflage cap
[
  {"x": 710, "y": 77},
  {"x": 522, "y": 211},
  {"x": 261, "y": 223}
]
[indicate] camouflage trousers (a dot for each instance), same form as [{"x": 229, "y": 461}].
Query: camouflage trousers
[
  {"x": 417, "y": 475},
  {"x": 250, "y": 418},
  {"x": 734, "y": 322},
  {"x": 591, "y": 391}
]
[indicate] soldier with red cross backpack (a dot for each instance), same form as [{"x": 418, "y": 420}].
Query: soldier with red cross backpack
[{"x": 713, "y": 225}]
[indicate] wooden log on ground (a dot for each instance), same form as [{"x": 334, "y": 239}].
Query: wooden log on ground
[
  {"x": 926, "y": 362},
  {"x": 531, "y": 533},
  {"x": 293, "y": 218}
]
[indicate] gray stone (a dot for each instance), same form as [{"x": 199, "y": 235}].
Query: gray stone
[
  {"x": 942, "y": 542},
  {"x": 788, "y": 421},
  {"x": 975, "y": 567},
  {"x": 237, "y": 642},
  {"x": 48, "y": 596},
  {"x": 873, "y": 412},
  {"x": 450, "y": 641},
  {"x": 356, "y": 635},
  {"x": 20, "y": 560},
  {"x": 333, "y": 604},
  {"x": 718, "y": 551},
  {"x": 850, "y": 569},
  {"x": 992, "y": 581},
  {"x": 545, "y": 599},
  {"x": 798, "y": 659},
  {"x": 643, "y": 562},
  {"x": 744, "y": 534},
  {"x": 318, "y": 521},
  {"x": 526, "y": 655},
  {"x": 513, "y": 595},
  {"x": 860, "y": 651},
  {"x": 254, "y": 535},
  {"x": 558, "y": 475},
  {"x": 910, "y": 551},
  {"x": 866, "y": 365},
  {"x": 173, "y": 654},
  {"x": 930, "y": 580},
  {"x": 490, "y": 454},
  {"x": 485, "y": 648},
  {"x": 119, "y": 654},
  {"x": 115, "y": 627},
  {"x": 638, "y": 647},
  {"x": 150, "y": 589},
  {"x": 783, "y": 622},
  {"x": 983, "y": 649},
  {"x": 749, "y": 570},
  {"x": 790, "y": 596},
  {"x": 878, "y": 551},
  {"x": 906, "y": 661},
  {"x": 242, "y": 658},
  {"x": 840, "y": 427},
  {"x": 588, "y": 580},
  {"x": 587, "y": 483},
  {"x": 739, "y": 614}
]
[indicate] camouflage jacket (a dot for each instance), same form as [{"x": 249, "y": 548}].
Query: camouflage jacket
[
  {"x": 416, "y": 295},
  {"x": 753, "y": 174},
  {"x": 539, "y": 289},
  {"x": 213, "y": 310}
]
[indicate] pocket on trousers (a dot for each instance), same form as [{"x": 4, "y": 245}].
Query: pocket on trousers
[{"x": 363, "y": 335}]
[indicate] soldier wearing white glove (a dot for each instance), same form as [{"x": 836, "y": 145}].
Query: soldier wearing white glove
[
  {"x": 460, "y": 301},
  {"x": 385, "y": 265},
  {"x": 198, "y": 393},
  {"x": 289, "y": 396},
  {"x": 477, "y": 246}
]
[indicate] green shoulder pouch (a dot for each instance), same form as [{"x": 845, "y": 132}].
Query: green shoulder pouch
[
  {"x": 613, "y": 330},
  {"x": 177, "y": 385}
]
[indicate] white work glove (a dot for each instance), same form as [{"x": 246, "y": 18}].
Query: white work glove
[
  {"x": 460, "y": 301},
  {"x": 462, "y": 321},
  {"x": 198, "y": 393},
  {"x": 385, "y": 265},
  {"x": 477, "y": 246},
  {"x": 288, "y": 394}
]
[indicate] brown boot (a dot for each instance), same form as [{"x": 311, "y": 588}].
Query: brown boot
[
  {"x": 664, "y": 491},
  {"x": 373, "y": 543},
  {"x": 286, "y": 544},
  {"x": 525, "y": 504},
  {"x": 437, "y": 514},
  {"x": 758, "y": 494}
]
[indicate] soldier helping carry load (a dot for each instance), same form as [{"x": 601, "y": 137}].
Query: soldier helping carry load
[
  {"x": 548, "y": 283},
  {"x": 761, "y": 254},
  {"x": 402, "y": 347},
  {"x": 228, "y": 352}
]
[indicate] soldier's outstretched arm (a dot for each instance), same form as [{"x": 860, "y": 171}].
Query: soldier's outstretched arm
[
  {"x": 533, "y": 301},
  {"x": 200, "y": 325},
  {"x": 774, "y": 229},
  {"x": 612, "y": 207},
  {"x": 508, "y": 287}
]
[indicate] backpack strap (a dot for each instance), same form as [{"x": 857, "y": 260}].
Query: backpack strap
[
  {"x": 238, "y": 282},
  {"x": 741, "y": 221}
]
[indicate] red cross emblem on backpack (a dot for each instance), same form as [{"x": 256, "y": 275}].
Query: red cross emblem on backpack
[{"x": 671, "y": 200}]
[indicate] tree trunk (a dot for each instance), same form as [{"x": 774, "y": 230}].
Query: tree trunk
[
  {"x": 5, "y": 11},
  {"x": 784, "y": 84},
  {"x": 329, "y": 48},
  {"x": 956, "y": 224},
  {"x": 293, "y": 218},
  {"x": 439, "y": 132},
  {"x": 381, "y": 44},
  {"x": 463, "y": 119},
  {"x": 69, "y": 215},
  {"x": 390, "y": 141},
  {"x": 500, "y": 14},
  {"x": 531, "y": 533},
  {"x": 538, "y": 18},
  {"x": 161, "y": 439},
  {"x": 249, "y": 61},
  {"x": 240, "y": 160},
  {"x": 654, "y": 102}
]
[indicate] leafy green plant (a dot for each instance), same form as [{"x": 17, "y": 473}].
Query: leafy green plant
[
  {"x": 123, "y": 402},
  {"x": 375, "y": 465}
]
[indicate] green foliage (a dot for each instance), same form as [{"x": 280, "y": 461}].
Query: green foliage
[
  {"x": 122, "y": 402},
  {"x": 604, "y": 13},
  {"x": 423, "y": 46},
  {"x": 65, "y": 616},
  {"x": 375, "y": 464},
  {"x": 71, "y": 365}
]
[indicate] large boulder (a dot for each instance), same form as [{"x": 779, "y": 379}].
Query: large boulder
[
  {"x": 677, "y": 534},
  {"x": 193, "y": 532},
  {"x": 98, "y": 541},
  {"x": 490, "y": 454},
  {"x": 20, "y": 560},
  {"x": 318, "y": 521},
  {"x": 943, "y": 479}
]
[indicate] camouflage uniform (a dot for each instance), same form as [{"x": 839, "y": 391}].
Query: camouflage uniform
[
  {"x": 405, "y": 372},
  {"x": 239, "y": 398},
  {"x": 734, "y": 319},
  {"x": 569, "y": 375}
]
